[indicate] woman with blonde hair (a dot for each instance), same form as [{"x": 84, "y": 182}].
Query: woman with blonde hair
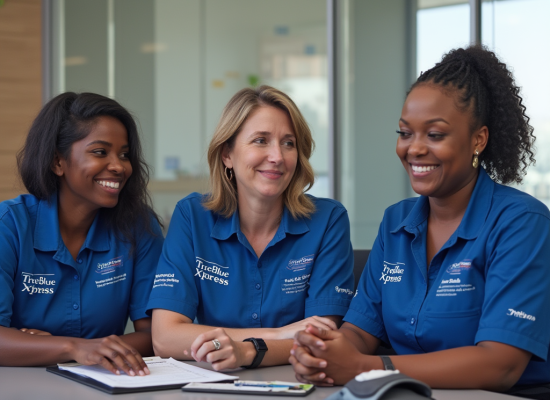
[{"x": 256, "y": 259}]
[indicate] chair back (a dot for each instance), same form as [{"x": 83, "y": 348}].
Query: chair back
[{"x": 360, "y": 258}]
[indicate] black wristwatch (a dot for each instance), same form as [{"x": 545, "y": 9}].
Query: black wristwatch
[{"x": 261, "y": 349}]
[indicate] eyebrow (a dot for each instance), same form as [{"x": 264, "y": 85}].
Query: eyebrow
[
  {"x": 292, "y": 135},
  {"x": 430, "y": 121},
  {"x": 104, "y": 143}
]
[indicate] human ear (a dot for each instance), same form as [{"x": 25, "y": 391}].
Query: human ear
[
  {"x": 57, "y": 165},
  {"x": 480, "y": 138},
  {"x": 226, "y": 156}
]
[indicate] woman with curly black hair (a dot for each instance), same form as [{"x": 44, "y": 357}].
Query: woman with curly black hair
[
  {"x": 457, "y": 281},
  {"x": 78, "y": 253}
]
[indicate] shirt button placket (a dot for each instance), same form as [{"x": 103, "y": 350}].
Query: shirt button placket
[{"x": 77, "y": 299}]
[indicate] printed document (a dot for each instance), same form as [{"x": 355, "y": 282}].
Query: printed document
[{"x": 163, "y": 372}]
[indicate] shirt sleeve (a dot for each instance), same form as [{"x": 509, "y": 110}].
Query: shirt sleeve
[
  {"x": 365, "y": 310},
  {"x": 517, "y": 288},
  {"x": 9, "y": 245},
  {"x": 331, "y": 281},
  {"x": 174, "y": 288},
  {"x": 147, "y": 255}
]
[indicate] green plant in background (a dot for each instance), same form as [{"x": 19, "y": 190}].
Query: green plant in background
[
  {"x": 1, "y": 3},
  {"x": 253, "y": 80}
]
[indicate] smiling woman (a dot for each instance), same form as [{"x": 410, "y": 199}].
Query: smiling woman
[
  {"x": 457, "y": 279},
  {"x": 79, "y": 250},
  {"x": 256, "y": 257}
]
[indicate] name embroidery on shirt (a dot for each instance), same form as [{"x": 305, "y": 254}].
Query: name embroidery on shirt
[
  {"x": 38, "y": 283},
  {"x": 453, "y": 286},
  {"x": 165, "y": 280},
  {"x": 108, "y": 268},
  {"x": 392, "y": 272},
  {"x": 210, "y": 271}
]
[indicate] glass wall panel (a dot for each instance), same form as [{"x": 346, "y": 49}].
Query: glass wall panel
[
  {"x": 441, "y": 25},
  {"x": 373, "y": 69},
  {"x": 175, "y": 64},
  {"x": 382, "y": 47},
  {"x": 518, "y": 31}
]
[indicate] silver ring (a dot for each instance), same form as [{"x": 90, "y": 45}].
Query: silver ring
[{"x": 217, "y": 344}]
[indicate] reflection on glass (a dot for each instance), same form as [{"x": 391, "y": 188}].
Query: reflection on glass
[
  {"x": 442, "y": 25},
  {"x": 176, "y": 63},
  {"x": 517, "y": 30}
]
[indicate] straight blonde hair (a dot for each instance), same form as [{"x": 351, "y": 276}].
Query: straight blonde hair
[{"x": 223, "y": 195}]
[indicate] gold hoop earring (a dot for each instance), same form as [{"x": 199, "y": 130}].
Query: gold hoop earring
[
  {"x": 230, "y": 175},
  {"x": 475, "y": 162}
]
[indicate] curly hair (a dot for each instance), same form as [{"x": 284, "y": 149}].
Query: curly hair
[
  {"x": 68, "y": 118},
  {"x": 486, "y": 87}
]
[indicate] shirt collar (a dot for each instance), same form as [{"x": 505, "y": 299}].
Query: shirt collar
[
  {"x": 224, "y": 228},
  {"x": 47, "y": 236},
  {"x": 474, "y": 217}
]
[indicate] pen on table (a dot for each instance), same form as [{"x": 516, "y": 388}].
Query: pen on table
[{"x": 260, "y": 384}]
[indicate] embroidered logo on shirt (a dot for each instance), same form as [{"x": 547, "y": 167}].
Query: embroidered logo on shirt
[
  {"x": 109, "y": 266},
  {"x": 457, "y": 268},
  {"x": 392, "y": 272},
  {"x": 210, "y": 271},
  {"x": 38, "y": 283},
  {"x": 301, "y": 263},
  {"x": 520, "y": 314},
  {"x": 165, "y": 280},
  {"x": 342, "y": 290}
]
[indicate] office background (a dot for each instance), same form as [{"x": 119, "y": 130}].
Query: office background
[{"x": 346, "y": 63}]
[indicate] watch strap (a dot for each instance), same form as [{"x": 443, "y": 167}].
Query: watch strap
[
  {"x": 388, "y": 365},
  {"x": 261, "y": 349}
]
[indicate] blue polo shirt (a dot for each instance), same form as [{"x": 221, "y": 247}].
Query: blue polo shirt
[
  {"x": 208, "y": 269},
  {"x": 43, "y": 287},
  {"x": 489, "y": 282}
]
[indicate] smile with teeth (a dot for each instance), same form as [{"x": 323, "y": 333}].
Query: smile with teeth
[
  {"x": 112, "y": 185},
  {"x": 427, "y": 168}
]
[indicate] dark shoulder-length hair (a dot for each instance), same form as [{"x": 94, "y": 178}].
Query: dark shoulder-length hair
[{"x": 66, "y": 119}]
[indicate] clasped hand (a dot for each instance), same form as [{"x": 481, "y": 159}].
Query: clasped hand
[{"x": 325, "y": 357}]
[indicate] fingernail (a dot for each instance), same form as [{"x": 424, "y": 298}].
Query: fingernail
[
  {"x": 322, "y": 376},
  {"x": 146, "y": 370},
  {"x": 141, "y": 373},
  {"x": 319, "y": 343},
  {"x": 330, "y": 380},
  {"x": 185, "y": 352},
  {"x": 132, "y": 372},
  {"x": 292, "y": 351},
  {"x": 117, "y": 372},
  {"x": 323, "y": 364}
]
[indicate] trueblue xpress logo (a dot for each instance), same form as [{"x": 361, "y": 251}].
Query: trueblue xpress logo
[
  {"x": 392, "y": 272},
  {"x": 109, "y": 266},
  {"x": 301, "y": 263},
  {"x": 38, "y": 283},
  {"x": 457, "y": 268}
]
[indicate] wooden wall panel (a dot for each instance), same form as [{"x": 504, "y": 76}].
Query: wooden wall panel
[{"x": 20, "y": 83}]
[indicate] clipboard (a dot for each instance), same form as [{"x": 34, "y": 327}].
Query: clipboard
[
  {"x": 256, "y": 388},
  {"x": 165, "y": 374},
  {"x": 106, "y": 388}
]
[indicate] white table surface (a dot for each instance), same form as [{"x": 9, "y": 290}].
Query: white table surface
[{"x": 35, "y": 383}]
